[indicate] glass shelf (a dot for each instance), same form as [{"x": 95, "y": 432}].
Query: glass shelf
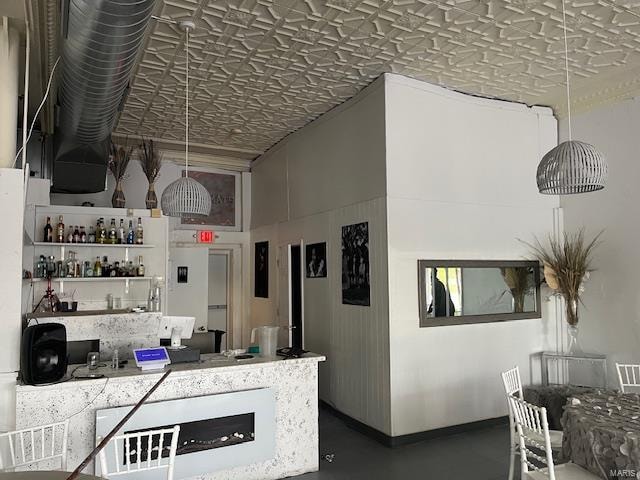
[
  {"x": 90, "y": 279},
  {"x": 99, "y": 245}
]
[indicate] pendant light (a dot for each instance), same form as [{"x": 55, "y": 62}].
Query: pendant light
[
  {"x": 186, "y": 196},
  {"x": 572, "y": 166}
]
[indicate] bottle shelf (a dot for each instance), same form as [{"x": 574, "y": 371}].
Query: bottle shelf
[
  {"x": 92, "y": 279},
  {"x": 98, "y": 245}
]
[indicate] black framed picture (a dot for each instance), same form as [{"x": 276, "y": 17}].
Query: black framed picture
[
  {"x": 316, "y": 260},
  {"x": 183, "y": 274},
  {"x": 261, "y": 287},
  {"x": 356, "y": 288}
]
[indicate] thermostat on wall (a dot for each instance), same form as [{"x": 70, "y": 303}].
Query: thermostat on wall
[{"x": 151, "y": 358}]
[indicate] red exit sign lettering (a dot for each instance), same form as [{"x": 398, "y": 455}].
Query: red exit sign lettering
[{"x": 205, "y": 236}]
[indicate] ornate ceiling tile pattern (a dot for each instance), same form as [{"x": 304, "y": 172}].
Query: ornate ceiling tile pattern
[{"x": 268, "y": 67}]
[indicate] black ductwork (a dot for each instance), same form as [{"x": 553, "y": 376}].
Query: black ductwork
[{"x": 102, "y": 41}]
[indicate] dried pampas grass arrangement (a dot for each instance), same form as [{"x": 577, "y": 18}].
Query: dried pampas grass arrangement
[{"x": 567, "y": 264}]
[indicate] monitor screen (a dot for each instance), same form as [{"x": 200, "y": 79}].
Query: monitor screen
[{"x": 151, "y": 355}]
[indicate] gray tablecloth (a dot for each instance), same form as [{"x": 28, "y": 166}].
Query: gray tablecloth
[
  {"x": 602, "y": 433},
  {"x": 553, "y": 398}
]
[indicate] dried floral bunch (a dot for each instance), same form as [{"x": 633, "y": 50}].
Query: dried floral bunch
[
  {"x": 520, "y": 282},
  {"x": 119, "y": 161},
  {"x": 150, "y": 160},
  {"x": 567, "y": 264}
]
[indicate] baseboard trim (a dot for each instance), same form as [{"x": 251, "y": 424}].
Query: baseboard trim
[{"x": 392, "y": 442}]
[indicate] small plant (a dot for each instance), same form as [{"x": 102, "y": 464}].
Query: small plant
[
  {"x": 151, "y": 163},
  {"x": 118, "y": 163}
]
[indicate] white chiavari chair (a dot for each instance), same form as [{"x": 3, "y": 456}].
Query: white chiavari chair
[
  {"x": 628, "y": 376},
  {"x": 29, "y": 446},
  {"x": 140, "y": 451},
  {"x": 513, "y": 386},
  {"x": 536, "y": 454}
]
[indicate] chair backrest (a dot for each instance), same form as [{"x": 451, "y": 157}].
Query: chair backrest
[
  {"x": 533, "y": 430},
  {"x": 511, "y": 382},
  {"x": 33, "y": 445},
  {"x": 628, "y": 375},
  {"x": 140, "y": 451}
]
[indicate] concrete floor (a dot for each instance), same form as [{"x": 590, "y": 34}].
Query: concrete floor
[{"x": 480, "y": 454}]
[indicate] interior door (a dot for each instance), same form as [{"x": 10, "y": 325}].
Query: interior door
[
  {"x": 189, "y": 284},
  {"x": 218, "y": 308},
  {"x": 284, "y": 288}
]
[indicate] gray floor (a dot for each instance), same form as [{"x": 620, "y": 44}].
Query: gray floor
[{"x": 481, "y": 455}]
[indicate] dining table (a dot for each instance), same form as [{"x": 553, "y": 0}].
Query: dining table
[
  {"x": 602, "y": 433},
  {"x": 44, "y": 475}
]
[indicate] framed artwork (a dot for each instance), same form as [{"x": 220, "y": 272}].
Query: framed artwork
[
  {"x": 356, "y": 288},
  {"x": 225, "y": 207},
  {"x": 261, "y": 277},
  {"x": 316, "y": 260}
]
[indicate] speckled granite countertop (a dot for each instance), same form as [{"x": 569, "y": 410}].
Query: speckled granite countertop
[{"x": 207, "y": 361}]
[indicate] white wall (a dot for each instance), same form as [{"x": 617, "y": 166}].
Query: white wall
[
  {"x": 610, "y": 319},
  {"x": 461, "y": 185},
  {"x": 11, "y": 241},
  {"x": 329, "y": 174}
]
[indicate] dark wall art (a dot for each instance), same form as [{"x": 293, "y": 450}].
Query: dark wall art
[
  {"x": 316, "y": 260},
  {"x": 261, "y": 276},
  {"x": 355, "y": 265}
]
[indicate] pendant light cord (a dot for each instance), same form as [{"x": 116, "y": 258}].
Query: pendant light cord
[
  {"x": 186, "y": 123},
  {"x": 566, "y": 66}
]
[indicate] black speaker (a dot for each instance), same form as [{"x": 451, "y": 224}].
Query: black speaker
[{"x": 43, "y": 353}]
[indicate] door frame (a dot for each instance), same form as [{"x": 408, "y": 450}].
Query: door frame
[
  {"x": 233, "y": 253},
  {"x": 288, "y": 246}
]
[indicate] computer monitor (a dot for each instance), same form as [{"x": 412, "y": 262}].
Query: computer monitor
[{"x": 176, "y": 328}]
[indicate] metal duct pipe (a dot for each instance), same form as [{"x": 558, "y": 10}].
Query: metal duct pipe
[
  {"x": 101, "y": 40},
  {"x": 101, "y": 45}
]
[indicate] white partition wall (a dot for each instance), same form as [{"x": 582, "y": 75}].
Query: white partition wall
[
  {"x": 438, "y": 175},
  {"x": 460, "y": 185}
]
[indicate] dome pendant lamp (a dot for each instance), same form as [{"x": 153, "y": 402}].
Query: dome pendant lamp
[
  {"x": 186, "y": 196},
  {"x": 572, "y": 166}
]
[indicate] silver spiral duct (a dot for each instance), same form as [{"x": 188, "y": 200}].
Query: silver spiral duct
[{"x": 101, "y": 40}]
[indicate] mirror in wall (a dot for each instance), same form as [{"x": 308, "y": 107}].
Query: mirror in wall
[{"x": 477, "y": 291}]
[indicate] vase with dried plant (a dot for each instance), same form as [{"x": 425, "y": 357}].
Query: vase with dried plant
[
  {"x": 151, "y": 162},
  {"x": 567, "y": 265},
  {"x": 118, "y": 163}
]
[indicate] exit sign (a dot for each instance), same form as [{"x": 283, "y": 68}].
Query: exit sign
[{"x": 205, "y": 236}]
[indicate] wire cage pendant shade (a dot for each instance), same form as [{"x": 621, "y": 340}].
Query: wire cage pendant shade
[
  {"x": 572, "y": 167},
  {"x": 186, "y": 196}
]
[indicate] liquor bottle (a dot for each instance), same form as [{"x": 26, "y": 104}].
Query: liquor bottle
[
  {"x": 131, "y": 234},
  {"x": 97, "y": 268},
  {"x": 131, "y": 270},
  {"x": 101, "y": 234},
  {"x": 106, "y": 268},
  {"x": 83, "y": 235},
  {"x": 114, "y": 271},
  {"x": 139, "y": 232},
  {"x": 121, "y": 236},
  {"x": 60, "y": 230},
  {"x": 76, "y": 235},
  {"x": 91, "y": 238},
  {"x": 70, "y": 235},
  {"x": 140, "y": 267},
  {"x": 48, "y": 231},
  {"x": 71, "y": 264},
  {"x": 113, "y": 234}
]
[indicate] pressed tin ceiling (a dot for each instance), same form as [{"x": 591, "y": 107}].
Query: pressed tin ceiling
[{"x": 266, "y": 68}]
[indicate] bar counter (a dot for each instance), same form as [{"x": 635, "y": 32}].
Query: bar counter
[{"x": 294, "y": 383}]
